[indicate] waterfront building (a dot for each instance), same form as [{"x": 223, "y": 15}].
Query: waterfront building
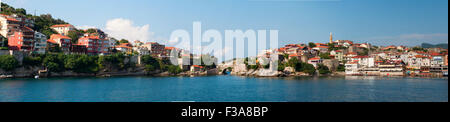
[
  {"x": 392, "y": 69},
  {"x": 197, "y": 68},
  {"x": 315, "y": 61},
  {"x": 168, "y": 51},
  {"x": 364, "y": 61},
  {"x": 141, "y": 50},
  {"x": 437, "y": 60},
  {"x": 352, "y": 68},
  {"x": 95, "y": 45},
  {"x": 63, "y": 29},
  {"x": 63, "y": 42},
  {"x": 125, "y": 47},
  {"x": 155, "y": 49},
  {"x": 22, "y": 40},
  {"x": 40, "y": 43},
  {"x": 78, "y": 49}
]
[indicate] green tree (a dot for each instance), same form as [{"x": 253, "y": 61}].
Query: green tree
[
  {"x": 123, "y": 41},
  {"x": 341, "y": 68},
  {"x": 21, "y": 11},
  {"x": 281, "y": 66},
  {"x": 74, "y": 35},
  {"x": 323, "y": 69},
  {"x": 308, "y": 68},
  {"x": 325, "y": 56},
  {"x": 54, "y": 63},
  {"x": 312, "y": 45},
  {"x": 174, "y": 69},
  {"x": 32, "y": 61},
  {"x": 91, "y": 30},
  {"x": 8, "y": 62},
  {"x": 151, "y": 63},
  {"x": 295, "y": 63}
]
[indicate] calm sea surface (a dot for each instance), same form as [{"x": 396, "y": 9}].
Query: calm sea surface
[{"x": 225, "y": 89}]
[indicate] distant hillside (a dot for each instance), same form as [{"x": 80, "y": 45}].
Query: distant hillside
[
  {"x": 42, "y": 22},
  {"x": 426, "y": 45}
]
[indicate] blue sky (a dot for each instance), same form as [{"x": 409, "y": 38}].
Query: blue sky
[{"x": 381, "y": 22}]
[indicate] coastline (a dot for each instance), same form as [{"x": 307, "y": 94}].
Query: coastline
[{"x": 70, "y": 74}]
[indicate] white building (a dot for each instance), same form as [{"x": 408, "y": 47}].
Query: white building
[
  {"x": 352, "y": 68},
  {"x": 364, "y": 61},
  {"x": 63, "y": 29}
]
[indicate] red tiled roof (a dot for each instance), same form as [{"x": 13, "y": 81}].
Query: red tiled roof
[
  {"x": 421, "y": 56},
  {"x": 313, "y": 59},
  {"x": 354, "y": 62},
  {"x": 169, "y": 48},
  {"x": 294, "y": 55},
  {"x": 322, "y": 46},
  {"x": 55, "y": 36},
  {"x": 197, "y": 66},
  {"x": 51, "y": 41},
  {"x": 121, "y": 46},
  {"x": 361, "y": 57},
  {"x": 12, "y": 19},
  {"x": 90, "y": 37}
]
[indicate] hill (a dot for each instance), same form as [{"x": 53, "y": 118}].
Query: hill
[
  {"x": 42, "y": 23},
  {"x": 426, "y": 45}
]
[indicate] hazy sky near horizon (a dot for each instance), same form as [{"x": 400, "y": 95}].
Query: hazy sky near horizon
[{"x": 381, "y": 22}]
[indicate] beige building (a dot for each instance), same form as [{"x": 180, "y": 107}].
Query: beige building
[{"x": 63, "y": 29}]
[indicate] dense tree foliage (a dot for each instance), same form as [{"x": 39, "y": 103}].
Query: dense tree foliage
[
  {"x": 8, "y": 62},
  {"x": 341, "y": 68},
  {"x": 123, "y": 41},
  {"x": 308, "y": 68},
  {"x": 325, "y": 56},
  {"x": 75, "y": 35},
  {"x": 323, "y": 69},
  {"x": 311, "y": 45},
  {"x": 32, "y": 61}
]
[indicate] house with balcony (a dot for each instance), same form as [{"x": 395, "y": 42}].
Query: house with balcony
[
  {"x": 392, "y": 69},
  {"x": 40, "y": 43},
  {"x": 364, "y": 61},
  {"x": 9, "y": 25},
  {"x": 22, "y": 40},
  {"x": 352, "y": 68},
  {"x": 155, "y": 49},
  {"x": 125, "y": 47},
  {"x": 95, "y": 45},
  {"x": 315, "y": 61},
  {"x": 61, "y": 41}
]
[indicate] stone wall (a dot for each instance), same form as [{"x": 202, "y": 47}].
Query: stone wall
[{"x": 332, "y": 64}]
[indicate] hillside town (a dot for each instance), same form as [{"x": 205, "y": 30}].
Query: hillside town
[
  {"x": 26, "y": 52},
  {"x": 345, "y": 57}
]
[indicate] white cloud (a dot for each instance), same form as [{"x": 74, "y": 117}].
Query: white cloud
[{"x": 125, "y": 29}]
